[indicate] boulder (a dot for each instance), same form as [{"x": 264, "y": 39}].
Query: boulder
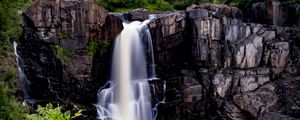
[
  {"x": 139, "y": 14},
  {"x": 258, "y": 102}
]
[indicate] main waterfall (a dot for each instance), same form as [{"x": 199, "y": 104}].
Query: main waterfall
[{"x": 127, "y": 95}]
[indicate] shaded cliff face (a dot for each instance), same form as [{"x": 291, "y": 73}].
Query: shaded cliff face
[
  {"x": 59, "y": 48},
  {"x": 274, "y": 13},
  {"x": 215, "y": 65}
]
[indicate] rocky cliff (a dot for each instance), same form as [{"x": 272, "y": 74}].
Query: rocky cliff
[
  {"x": 215, "y": 65},
  {"x": 219, "y": 67}
]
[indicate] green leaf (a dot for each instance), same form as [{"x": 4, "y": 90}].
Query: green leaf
[
  {"x": 67, "y": 115},
  {"x": 77, "y": 114}
]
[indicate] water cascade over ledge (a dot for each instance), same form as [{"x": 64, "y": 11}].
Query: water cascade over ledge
[
  {"x": 22, "y": 77},
  {"x": 127, "y": 95}
]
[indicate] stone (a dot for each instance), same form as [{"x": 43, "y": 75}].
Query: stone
[
  {"x": 269, "y": 35},
  {"x": 274, "y": 116},
  {"x": 289, "y": 89},
  {"x": 222, "y": 83},
  {"x": 168, "y": 37},
  {"x": 139, "y": 14},
  {"x": 254, "y": 52},
  {"x": 192, "y": 94},
  {"x": 211, "y": 60},
  {"x": 250, "y": 54},
  {"x": 258, "y": 102},
  {"x": 235, "y": 30},
  {"x": 54, "y": 76},
  {"x": 233, "y": 112},
  {"x": 197, "y": 13},
  {"x": 248, "y": 83},
  {"x": 279, "y": 55},
  {"x": 262, "y": 79}
]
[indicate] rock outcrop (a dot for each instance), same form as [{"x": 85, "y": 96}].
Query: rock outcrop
[
  {"x": 214, "y": 65},
  {"x": 274, "y": 13},
  {"x": 64, "y": 49},
  {"x": 237, "y": 65}
]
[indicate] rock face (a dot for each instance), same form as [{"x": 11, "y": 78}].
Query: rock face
[
  {"x": 274, "y": 13},
  {"x": 56, "y": 48},
  {"x": 214, "y": 65},
  {"x": 237, "y": 65}
]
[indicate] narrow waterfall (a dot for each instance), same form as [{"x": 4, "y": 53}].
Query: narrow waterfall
[
  {"x": 128, "y": 95},
  {"x": 22, "y": 76}
]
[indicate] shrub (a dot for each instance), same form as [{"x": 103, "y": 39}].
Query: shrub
[
  {"x": 126, "y": 5},
  {"x": 60, "y": 34},
  {"x": 61, "y": 52},
  {"x": 92, "y": 46},
  {"x": 10, "y": 109},
  {"x": 51, "y": 113}
]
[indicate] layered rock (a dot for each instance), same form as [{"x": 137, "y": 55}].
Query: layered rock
[
  {"x": 57, "y": 51},
  {"x": 235, "y": 63},
  {"x": 214, "y": 64}
]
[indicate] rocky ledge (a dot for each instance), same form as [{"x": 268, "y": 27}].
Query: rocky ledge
[{"x": 216, "y": 66}]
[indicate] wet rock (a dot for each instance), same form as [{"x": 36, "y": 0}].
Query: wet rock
[{"x": 111, "y": 28}]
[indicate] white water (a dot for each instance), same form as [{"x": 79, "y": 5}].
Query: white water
[
  {"x": 128, "y": 96},
  {"x": 22, "y": 76}
]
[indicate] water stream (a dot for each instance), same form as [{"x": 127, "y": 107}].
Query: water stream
[
  {"x": 22, "y": 76},
  {"x": 127, "y": 95}
]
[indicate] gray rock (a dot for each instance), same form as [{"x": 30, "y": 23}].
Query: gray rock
[
  {"x": 257, "y": 102},
  {"x": 139, "y": 14},
  {"x": 248, "y": 83},
  {"x": 279, "y": 55},
  {"x": 222, "y": 83}
]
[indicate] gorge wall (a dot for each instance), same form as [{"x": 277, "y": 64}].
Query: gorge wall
[{"x": 215, "y": 65}]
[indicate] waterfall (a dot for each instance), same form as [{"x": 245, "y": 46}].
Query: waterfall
[
  {"x": 22, "y": 76},
  {"x": 127, "y": 95}
]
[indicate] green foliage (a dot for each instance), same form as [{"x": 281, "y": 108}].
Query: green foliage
[
  {"x": 10, "y": 109},
  {"x": 182, "y": 4},
  {"x": 288, "y": 2},
  {"x": 61, "y": 52},
  {"x": 62, "y": 34},
  {"x": 10, "y": 28},
  {"x": 51, "y": 113},
  {"x": 168, "y": 5},
  {"x": 240, "y": 3},
  {"x": 92, "y": 46},
  {"x": 126, "y": 5}
]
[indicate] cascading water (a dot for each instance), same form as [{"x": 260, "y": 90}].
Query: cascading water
[
  {"x": 22, "y": 76},
  {"x": 128, "y": 96}
]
